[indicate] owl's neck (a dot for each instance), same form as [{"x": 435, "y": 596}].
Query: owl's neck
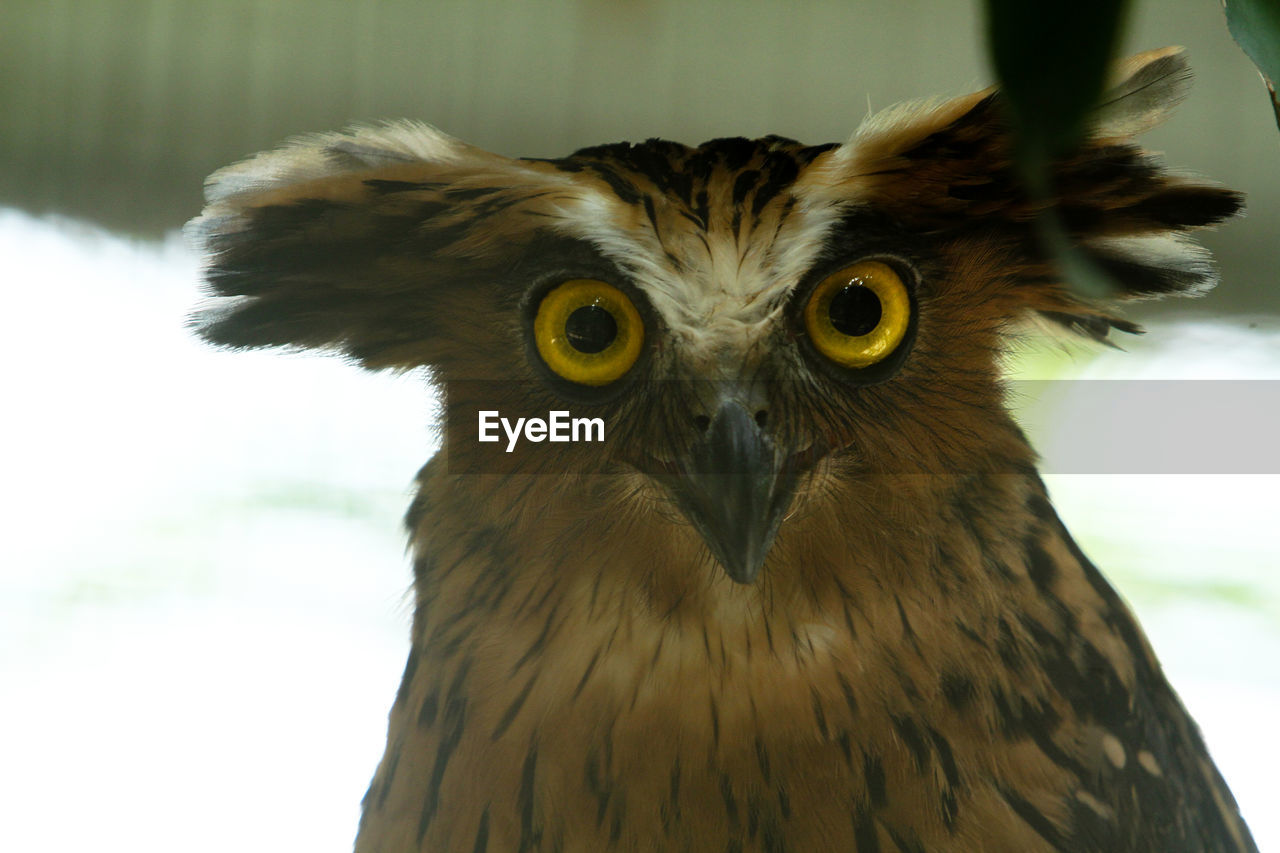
[
  {"x": 541, "y": 559},
  {"x": 596, "y": 650}
]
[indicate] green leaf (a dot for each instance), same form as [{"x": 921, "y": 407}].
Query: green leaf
[
  {"x": 1255, "y": 25},
  {"x": 1052, "y": 59}
]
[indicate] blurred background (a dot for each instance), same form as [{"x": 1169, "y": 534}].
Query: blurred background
[{"x": 203, "y": 610}]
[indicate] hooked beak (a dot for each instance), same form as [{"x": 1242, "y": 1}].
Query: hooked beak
[{"x": 735, "y": 485}]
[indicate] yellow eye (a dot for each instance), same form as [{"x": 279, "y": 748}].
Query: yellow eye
[
  {"x": 588, "y": 331},
  {"x": 859, "y": 315}
]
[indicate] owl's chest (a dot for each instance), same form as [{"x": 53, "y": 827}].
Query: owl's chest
[{"x": 761, "y": 735}]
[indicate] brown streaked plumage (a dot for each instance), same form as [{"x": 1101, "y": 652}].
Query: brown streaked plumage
[{"x": 789, "y": 605}]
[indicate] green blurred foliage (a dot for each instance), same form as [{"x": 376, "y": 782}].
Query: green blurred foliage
[
  {"x": 1255, "y": 25},
  {"x": 1052, "y": 58}
]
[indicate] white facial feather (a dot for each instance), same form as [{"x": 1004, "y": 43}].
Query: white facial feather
[{"x": 726, "y": 296}]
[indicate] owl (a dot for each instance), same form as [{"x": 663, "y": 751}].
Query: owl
[{"x": 732, "y": 543}]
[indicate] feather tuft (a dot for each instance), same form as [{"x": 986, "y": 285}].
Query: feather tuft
[{"x": 1145, "y": 88}]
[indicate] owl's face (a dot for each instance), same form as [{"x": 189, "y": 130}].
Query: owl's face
[
  {"x": 753, "y": 320},
  {"x": 740, "y": 337}
]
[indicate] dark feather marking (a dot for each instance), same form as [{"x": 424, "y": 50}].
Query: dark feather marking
[
  {"x": 702, "y": 238},
  {"x": 730, "y": 802},
  {"x": 385, "y": 187},
  {"x": 958, "y": 690},
  {"x": 908, "y": 633},
  {"x": 819, "y": 716},
  {"x": 772, "y": 839},
  {"x": 848, "y": 621},
  {"x": 657, "y": 650},
  {"x": 1041, "y": 508},
  {"x": 846, "y": 747},
  {"x": 652, "y": 213},
  {"x": 1007, "y": 647},
  {"x": 430, "y": 707},
  {"x": 1091, "y": 326},
  {"x": 476, "y": 193},
  {"x": 509, "y": 715},
  {"x": 905, "y": 844},
  {"x": 671, "y": 814},
  {"x": 784, "y": 802},
  {"x": 419, "y": 507},
  {"x": 675, "y": 605},
  {"x": 742, "y": 186},
  {"x": 762, "y": 758},
  {"x": 847, "y": 690},
  {"x": 447, "y": 648},
  {"x": 635, "y": 694},
  {"x": 702, "y": 206},
  {"x": 1137, "y": 277},
  {"x": 530, "y": 836},
  {"x": 787, "y": 207},
  {"x": 734, "y": 152},
  {"x": 595, "y": 592},
  {"x": 1032, "y": 817},
  {"x": 945, "y": 757},
  {"x": 946, "y": 760},
  {"x": 455, "y": 717},
  {"x": 949, "y": 806},
  {"x": 598, "y": 784},
  {"x": 780, "y": 171},
  {"x": 539, "y": 643},
  {"x": 911, "y": 736},
  {"x": 582, "y": 682},
  {"x": 806, "y": 155},
  {"x": 482, "y": 833},
  {"x": 873, "y": 774},
  {"x": 865, "y": 839},
  {"x": 454, "y": 691},
  {"x": 1040, "y": 567},
  {"x": 622, "y": 188},
  {"x": 527, "y": 603},
  {"x": 1189, "y": 206},
  {"x": 1115, "y": 608},
  {"x": 692, "y": 219}
]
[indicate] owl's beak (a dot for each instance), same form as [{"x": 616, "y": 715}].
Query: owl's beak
[{"x": 735, "y": 487}]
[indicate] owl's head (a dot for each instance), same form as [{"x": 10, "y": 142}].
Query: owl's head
[{"x": 751, "y": 319}]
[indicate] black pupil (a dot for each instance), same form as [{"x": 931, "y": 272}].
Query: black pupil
[
  {"x": 590, "y": 329},
  {"x": 855, "y": 310}
]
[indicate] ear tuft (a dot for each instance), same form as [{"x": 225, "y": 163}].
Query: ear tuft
[
  {"x": 1144, "y": 89},
  {"x": 1095, "y": 327},
  {"x": 355, "y": 242},
  {"x": 322, "y": 155},
  {"x": 1147, "y": 267},
  {"x": 1150, "y": 267},
  {"x": 948, "y": 171}
]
